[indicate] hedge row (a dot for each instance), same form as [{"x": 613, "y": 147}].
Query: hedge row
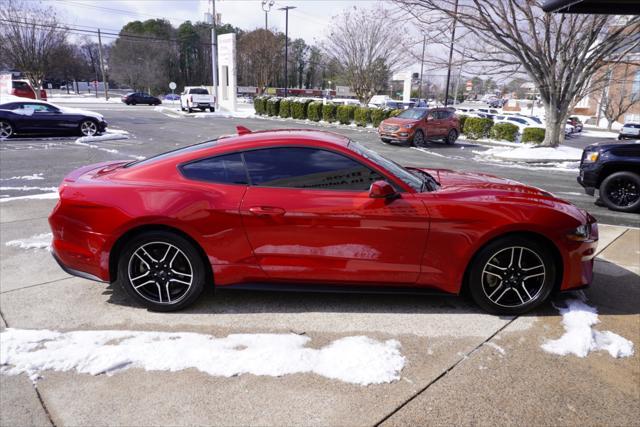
[
  {"x": 477, "y": 128},
  {"x": 316, "y": 111}
]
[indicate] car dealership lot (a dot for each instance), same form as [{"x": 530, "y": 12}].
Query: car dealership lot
[{"x": 461, "y": 365}]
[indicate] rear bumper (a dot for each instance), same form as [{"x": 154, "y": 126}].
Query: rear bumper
[{"x": 75, "y": 272}]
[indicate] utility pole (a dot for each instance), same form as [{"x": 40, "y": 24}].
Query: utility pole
[
  {"x": 266, "y": 6},
  {"x": 286, "y": 47},
  {"x": 455, "y": 91},
  {"x": 214, "y": 54},
  {"x": 453, "y": 38},
  {"x": 104, "y": 75},
  {"x": 424, "y": 43}
]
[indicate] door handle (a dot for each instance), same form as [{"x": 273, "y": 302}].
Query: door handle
[{"x": 266, "y": 211}]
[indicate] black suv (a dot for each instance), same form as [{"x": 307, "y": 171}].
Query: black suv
[{"x": 613, "y": 168}]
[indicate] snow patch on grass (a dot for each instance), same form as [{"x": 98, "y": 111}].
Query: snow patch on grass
[
  {"x": 580, "y": 338},
  {"x": 356, "y": 359},
  {"x": 535, "y": 154},
  {"x": 38, "y": 241}
]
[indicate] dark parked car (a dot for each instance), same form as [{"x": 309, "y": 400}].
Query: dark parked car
[
  {"x": 45, "y": 118},
  {"x": 134, "y": 98},
  {"x": 613, "y": 168}
]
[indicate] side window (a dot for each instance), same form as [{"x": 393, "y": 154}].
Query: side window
[
  {"x": 294, "y": 167},
  {"x": 433, "y": 115},
  {"x": 444, "y": 114},
  {"x": 227, "y": 169}
]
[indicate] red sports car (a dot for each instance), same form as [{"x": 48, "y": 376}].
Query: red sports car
[{"x": 300, "y": 209}]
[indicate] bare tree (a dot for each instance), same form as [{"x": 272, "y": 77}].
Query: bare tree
[
  {"x": 259, "y": 57},
  {"x": 561, "y": 53},
  {"x": 616, "y": 101},
  {"x": 367, "y": 49},
  {"x": 30, "y": 38}
]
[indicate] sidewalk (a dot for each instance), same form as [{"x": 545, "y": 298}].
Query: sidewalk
[{"x": 462, "y": 366}]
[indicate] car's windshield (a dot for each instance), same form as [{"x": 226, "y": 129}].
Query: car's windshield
[
  {"x": 413, "y": 113},
  {"x": 409, "y": 178}
]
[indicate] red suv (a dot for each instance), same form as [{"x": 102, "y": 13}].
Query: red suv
[
  {"x": 416, "y": 125},
  {"x": 23, "y": 89}
]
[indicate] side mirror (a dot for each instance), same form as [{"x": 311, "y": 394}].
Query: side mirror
[{"x": 382, "y": 190}]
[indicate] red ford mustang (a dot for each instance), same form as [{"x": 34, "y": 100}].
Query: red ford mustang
[{"x": 298, "y": 209}]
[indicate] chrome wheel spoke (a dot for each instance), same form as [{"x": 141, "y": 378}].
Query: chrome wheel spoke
[
  {"x": 496, "y": 290},
  {"x": 501, "y": 295},
  {"x": 145, "y": 284}
]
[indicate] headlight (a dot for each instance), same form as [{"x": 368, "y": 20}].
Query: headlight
[
  {"x": 591, "y": 157},
  {"x": 409, "y": 125},
  {"x": 581, "y": 233}
]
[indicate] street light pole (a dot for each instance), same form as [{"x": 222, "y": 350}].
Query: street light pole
[
  {"x": 214, "y": 54},
  {"x": 266, "y": 6},
  {"x": 286, "y": 47},
  {"x": 453, "y": 37}
]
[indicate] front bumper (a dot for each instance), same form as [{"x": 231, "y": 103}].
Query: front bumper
[{"x": 396, "y": 137}]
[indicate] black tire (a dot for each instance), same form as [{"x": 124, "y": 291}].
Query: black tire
[
  {"x": 418, "y": 139},
  {"x": 165, "y": 275},
  {"x": 88, "y": 128},
  {"x": 211, "y": 109},
  {"x": 6, "y": 129},
  {"x": 451, "y": 137},
  {"x": 497, "y": 283},
  {"x": 620, "y": 191},
  {"x": 133, "y": 102},
  {"x": 189, "y": 109}
]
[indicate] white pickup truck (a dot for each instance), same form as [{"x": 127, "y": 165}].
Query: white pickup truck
[{"x": 197, "y": 97}]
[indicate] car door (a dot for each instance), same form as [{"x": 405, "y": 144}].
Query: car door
[
  {"x": 309, "y": 217},
  {"x": 434, "y": 127}
]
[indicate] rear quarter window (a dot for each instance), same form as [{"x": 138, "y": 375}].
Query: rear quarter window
[{"x": 225, "y": 169}]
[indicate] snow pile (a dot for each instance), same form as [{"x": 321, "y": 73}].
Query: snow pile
[
  {"x": 42, "y": 196},
  {"x": 535, "y": 154},
  {"x": 39, "y": 241},
  {"x": 27, "y": 188},
  {"x": 107, "y": 136},
  {"x": 579, "y": 338},
  {"x": 357, "y": 359},
  {"x": 33, "y": 177}
]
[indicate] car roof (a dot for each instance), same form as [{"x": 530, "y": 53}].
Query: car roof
[{"x": 286, "y": 135}]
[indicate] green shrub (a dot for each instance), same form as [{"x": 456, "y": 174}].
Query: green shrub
[
  {"x": 477, "y": 127},
  {"x": 362, "y": 116},
  {"x": 329, "y": 112},
  {"x": 395, "y": 112},
  {"x": 314, "y": 111},
  {"x": 462, "y": 119},
  {"x": 260, "y": 104},
  {"x": 285, "y": 108},
  {"x": 377, "y": 115},
  {"x": 273, "y": 106},
  {"x": 535, "y": 135},
  {"x": 299, "y": 108},
  {"x": 504, "y": 132},
  {"x": 345, "y": 114}
]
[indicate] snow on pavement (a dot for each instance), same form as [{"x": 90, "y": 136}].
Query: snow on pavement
[
  {"x": 580, "y": 338},
  {"x": 27, "y": 188},
  {"x": 33, "y": 177},
  {"x": 535, "y": 154},
  {"x": 38, "y": 241},
  {"x": 41, "y": 196},
  {"x": 354, "y": 359}
]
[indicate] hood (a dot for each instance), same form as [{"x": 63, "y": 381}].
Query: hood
[
  {"x": 398, "y": 121},
  {"x": 461, "y": 181},
  {"x": 604, "y": 145},
  {"x": 69, "y": 110}
]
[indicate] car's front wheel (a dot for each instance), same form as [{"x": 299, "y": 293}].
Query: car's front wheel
[
  {"x": 211, "y": 109},
  {"x": 512, "y": 275},
  {"x": 452, "y": 136},
  {"x": 88, "y": 128},
  {"x": 418, "y": 138},
  {"x": 621, "y": 191},
  {"x": 162, "y": 271},
  {"x": 6, "y": 129}
]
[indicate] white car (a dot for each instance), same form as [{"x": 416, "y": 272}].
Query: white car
[
  {"x": 630, "y": 130},
  {"x": 197, "y": 97}
]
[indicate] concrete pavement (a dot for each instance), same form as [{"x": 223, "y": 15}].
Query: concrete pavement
[{"x": 462, "y": 366}]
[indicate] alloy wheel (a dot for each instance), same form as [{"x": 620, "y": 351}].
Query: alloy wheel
[
  {"x": 623, "y": 192},
  {"x": 451, "y": 138},
  {"x": 6, "y": 130},
  {"x": 513, "y": 277},
  {"x": 418, "y": 139},
  {"x": 160, "y": 273},
  {"x": 88, "y": 128}
]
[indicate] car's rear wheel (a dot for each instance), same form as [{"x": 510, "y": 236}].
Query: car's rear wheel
[
  {"x": 452, "y": 136},
  {"x": 162, "y": 271},
  {"x": 189, "y": 109},
  {"x": 212, "y": 109},
  {"x": 621, "y": 191},
  {"x": 512, "y": 275},
  {"x": 418, "y": 138},
  {"x": 6, "y": 129},
  {"x": 88, "y": 128}
]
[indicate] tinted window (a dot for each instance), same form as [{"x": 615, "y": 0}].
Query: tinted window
[
  {"x": 514, "y": 119},
  {"x": 307, "y": 168},
  {"x": 38, "y": 107},
  {"x": 444, "y": 114},
  {"x": 20, "y": 85},
  {"x": 413, "y": 113},
  {"x": 228, "y": 169},
  {"x": 199, "y": 91}
]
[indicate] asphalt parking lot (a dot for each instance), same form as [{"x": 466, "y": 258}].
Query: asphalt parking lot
[{"x": 461, "y": 366}]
